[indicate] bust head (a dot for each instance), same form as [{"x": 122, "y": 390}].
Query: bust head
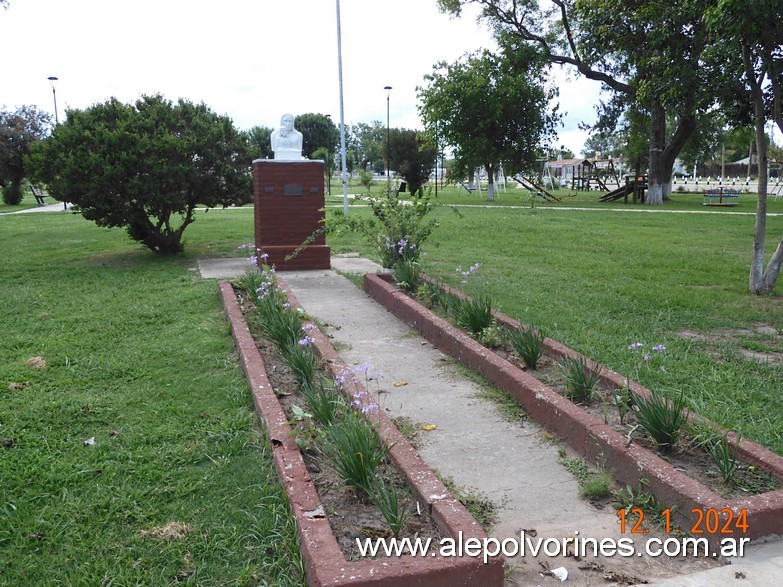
[{"x": 287, "y": 122}]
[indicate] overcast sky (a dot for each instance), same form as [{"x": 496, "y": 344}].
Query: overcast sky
[{"x": 252, "y": 60}]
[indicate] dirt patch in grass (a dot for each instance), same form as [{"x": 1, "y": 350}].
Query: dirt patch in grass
[
  {"x": 36, "y": 363},
  {"x": 761, "y": 343},
  {"x": 171, "y": 531}
]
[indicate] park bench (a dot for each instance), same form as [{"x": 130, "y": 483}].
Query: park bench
[
  {"x": 38, "y": 194},
  {"x": 721, "y": 196}
]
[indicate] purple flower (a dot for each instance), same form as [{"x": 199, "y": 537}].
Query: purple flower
[
  {"x": 306, "y": 340},
  {"x": 635, "y": 345},
  {"x": 646, "y": 356},
  {"x": 659, "y": 347},
  {"x": 369, "y": 408}
]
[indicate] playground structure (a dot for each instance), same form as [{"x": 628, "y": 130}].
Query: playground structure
[
  {"x": 635, "y": 185},
  {"x": 581, "y": 174}
]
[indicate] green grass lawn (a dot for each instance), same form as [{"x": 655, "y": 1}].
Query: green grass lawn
[{"x": 138, "y": 355}]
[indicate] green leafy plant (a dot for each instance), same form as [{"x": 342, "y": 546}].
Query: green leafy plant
[
  {"x": 324, "y": 401},
  {"x": 493, "y": 336},
  {"x": 432, "y": 296},
  {"x": 622, "y": 399},
  {"x": 355, "y": 450},
  {"x": 397, "y": 229},
  {"x": 282, "y": 327},
  {"x": 301, "y": 358},
  {"x": 528, "y": 343},
  {"x": 406, "y": 275},
  {"x": 663, "y": 419},
  {"x": 724, "y": 455},
  {"x": 299, "y": 413},
  {"x": 596, "y": 486},
  {"x": 472, "y": 314},
  {"x": 387, "y": 500},
  {"x": 579, "y": 379},
  {"x": 250, "y": 281},
  {"x": 628, "y": 498}
]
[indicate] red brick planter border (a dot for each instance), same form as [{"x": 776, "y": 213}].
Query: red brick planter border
[
  {"x": 589, "y": 436},
  {"x": 323, "y": 559}
]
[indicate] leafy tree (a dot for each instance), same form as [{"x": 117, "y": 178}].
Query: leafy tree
[
  {"x": 491, "y": 109},
  {"x": 317, "y": 130},
  {"x": 412, "y": 157},
  {"x": 19, "y": 130},
  {"x": 753, "y": 29},
  {"x": 369, "y": 145},
  {"x": 606, "y": 143},
  {"x": 145, "y": 166},
  {"x": 324, "y": 154},
  {"x": 260, "y": 142}
]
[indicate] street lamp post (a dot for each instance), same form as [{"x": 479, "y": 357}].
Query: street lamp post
[
  {"x": 52, "y": 80},
  {"x": 330, "y": 160},
  {"x": 342, "y": 112},
  {"x": 388, "y": 144}
]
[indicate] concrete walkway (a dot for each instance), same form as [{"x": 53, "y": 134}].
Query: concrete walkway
[{"x": 512, "y": 463}]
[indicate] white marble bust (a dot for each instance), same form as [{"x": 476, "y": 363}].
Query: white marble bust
[{"x": 287, "y": 141}]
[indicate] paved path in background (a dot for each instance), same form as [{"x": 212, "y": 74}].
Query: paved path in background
[{"x": 58, "y": 207}]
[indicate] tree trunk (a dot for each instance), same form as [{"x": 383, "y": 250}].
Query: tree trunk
[
  {"x": 491, "y": 182},
  {"x": 760, "y": 281},
  {"x": 663, "y": 155}
]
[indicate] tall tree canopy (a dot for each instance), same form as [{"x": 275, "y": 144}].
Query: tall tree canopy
[
  {"x": 412, "y": 157},
  {"x": 317, "y": 130},
  {"x": 145, "y": 166},
  {"x": 368, "y": 145},
  {"x": 492, "y": 109},
  {"x": 260, "y": 142}
]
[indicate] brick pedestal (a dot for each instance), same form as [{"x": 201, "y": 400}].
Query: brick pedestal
[{"x": 289, "y": 201}]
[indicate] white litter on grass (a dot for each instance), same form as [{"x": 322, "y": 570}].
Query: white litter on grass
[
  {"x": 90, "y": 441},
  {"x": 561, "y": 573}
]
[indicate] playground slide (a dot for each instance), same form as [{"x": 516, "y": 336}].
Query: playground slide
[{"x": 620, "y": 192}]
